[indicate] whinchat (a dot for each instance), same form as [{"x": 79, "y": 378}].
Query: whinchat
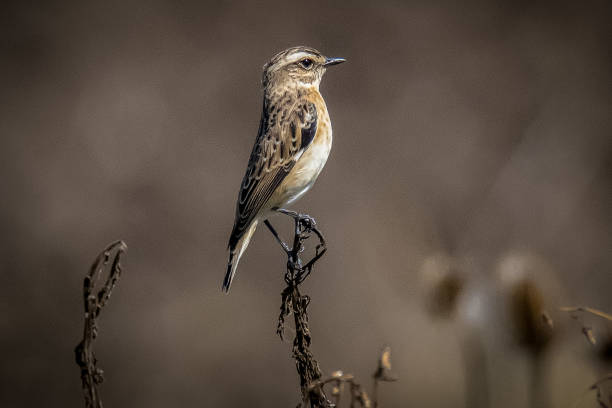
[{"x": 292, "y": 145}]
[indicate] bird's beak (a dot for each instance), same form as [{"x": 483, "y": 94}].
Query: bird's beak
[{"x": 333, "y": 61}]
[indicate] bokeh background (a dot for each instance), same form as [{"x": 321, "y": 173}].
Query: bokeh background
[{"x": 470, "y": 138}]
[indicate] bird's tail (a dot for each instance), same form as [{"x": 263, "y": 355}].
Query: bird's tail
[{"x": 235, "y": 253}]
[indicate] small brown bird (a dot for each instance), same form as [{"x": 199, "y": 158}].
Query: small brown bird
[{"x": 292, "y": 145}]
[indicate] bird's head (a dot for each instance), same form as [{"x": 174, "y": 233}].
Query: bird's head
[{"x": 297, "y": 66}]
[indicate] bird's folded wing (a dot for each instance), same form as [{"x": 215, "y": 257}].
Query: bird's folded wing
[{"x": 283, "y": 136}]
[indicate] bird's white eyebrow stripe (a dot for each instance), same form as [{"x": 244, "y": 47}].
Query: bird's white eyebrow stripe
[{"x": 298, "y": 56}]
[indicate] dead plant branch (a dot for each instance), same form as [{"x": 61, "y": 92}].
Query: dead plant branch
[
  {"x": 383, "y": 373},
  {"x": 587, "y": 331},
  {"x": 293, "y": 302},
  {"x": 590, "y": 310},
  {"x": 91, "y": 374}
]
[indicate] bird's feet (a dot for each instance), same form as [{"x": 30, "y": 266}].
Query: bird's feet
[
  {"x": 307, "y": 221},
  {"x": 304, "y": 220}
]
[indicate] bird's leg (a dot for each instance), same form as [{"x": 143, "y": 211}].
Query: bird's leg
[
  {"x": 304, "y": 219},
  {"x": 292, "y": 265},
  {"x": 278, "y": 239}
]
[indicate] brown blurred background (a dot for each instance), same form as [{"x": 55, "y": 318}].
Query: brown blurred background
[{"x": 473, "y": 137}]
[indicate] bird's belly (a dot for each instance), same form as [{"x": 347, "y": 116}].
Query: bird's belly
[{"x": 305, "y": 171}]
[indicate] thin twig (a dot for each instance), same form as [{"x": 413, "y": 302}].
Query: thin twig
[
  {"x": 590, "y": 310},
  {"x": 587, "y": 331},
  {"x": 338, "y": 378},
  {"x": 91, "y": 375}
]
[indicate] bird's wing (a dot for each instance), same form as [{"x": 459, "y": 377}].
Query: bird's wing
[{"x": 284, "y": 134}]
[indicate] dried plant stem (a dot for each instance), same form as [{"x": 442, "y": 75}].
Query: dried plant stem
[
  {"x": 338, "y": 379},
  {"x": 375, "y": 392},
  {"x": 586, "y": 330},
  {"x": 603, "y": 395},
  {"x": 307, "y": 367},
  {"x": 94, "y": 301},
  {"x": 476, "y": 371},
  {"x": 538, "y": 384},
  {"x": 382, "y": 374},
  {"x": 293, "y": 302},
  {"x": 590, "y": 310}
]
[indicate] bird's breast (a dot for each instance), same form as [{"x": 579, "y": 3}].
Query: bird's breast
[{"x": 308, "y": 167}]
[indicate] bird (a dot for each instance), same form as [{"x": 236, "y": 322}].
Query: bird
[{"x": 292, "y": 145}]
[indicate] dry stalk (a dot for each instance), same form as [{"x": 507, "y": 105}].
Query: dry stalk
[
  {"x": 587, "y": 331},
  {"x": 359, "y": 396},
  {"x": 533, "y": 332},
  {"x": 294, "y": 303},
  {"x": 590, "y": 310},
  {"x": 603, "y": 394},
  {"x": 383, "y": 373},
  {"x": 91, "y": 374}
]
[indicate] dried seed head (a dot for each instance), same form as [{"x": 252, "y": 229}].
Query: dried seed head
[
  {"x": 443, "y": 284},
  {"x": 383, "y": 372},
  {"x": 531, "y": 291},
  {"x": 526, "y": 308}
]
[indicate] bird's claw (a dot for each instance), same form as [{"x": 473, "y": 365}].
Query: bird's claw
[{"x": 306, "y": 221}]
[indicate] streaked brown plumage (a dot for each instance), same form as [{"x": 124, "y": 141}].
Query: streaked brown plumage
[{"x": 292, "y": 144}]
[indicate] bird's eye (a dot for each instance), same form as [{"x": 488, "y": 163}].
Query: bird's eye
[{"x": 306, "y": 63}]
